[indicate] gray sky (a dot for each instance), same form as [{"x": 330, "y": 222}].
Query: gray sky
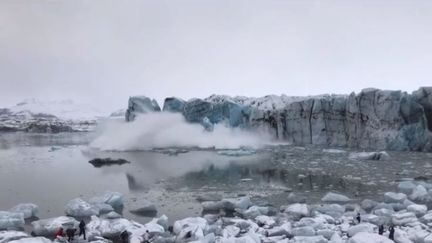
[{"x": 104, "y": 51}]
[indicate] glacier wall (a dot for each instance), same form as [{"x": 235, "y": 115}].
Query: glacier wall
[{"x": 372, "y": 119}]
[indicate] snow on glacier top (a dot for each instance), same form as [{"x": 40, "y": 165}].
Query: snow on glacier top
[
  {"x": 63, "y": 109},
  {"x": 268, "y": 102}
]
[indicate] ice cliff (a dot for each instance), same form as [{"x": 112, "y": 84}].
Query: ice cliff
[{"x": 372, "y": 119}]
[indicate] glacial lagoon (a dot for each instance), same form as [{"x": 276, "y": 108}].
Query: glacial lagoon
[{"x": 51, "y": 169}]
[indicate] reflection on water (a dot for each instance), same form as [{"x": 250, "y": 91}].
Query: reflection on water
[{"x": 49, "y": 170}]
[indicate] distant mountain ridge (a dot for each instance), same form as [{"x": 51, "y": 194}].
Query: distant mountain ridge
[{"x": 33, "y": 115}]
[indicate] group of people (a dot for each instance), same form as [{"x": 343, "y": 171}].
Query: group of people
[
  {"x": 391, "y": 231},
  {"x": 380, "y": 228},
  {"x": 70, "y": 232}
]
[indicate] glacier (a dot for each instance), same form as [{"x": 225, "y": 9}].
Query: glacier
[{"x": 371, "y": 119}]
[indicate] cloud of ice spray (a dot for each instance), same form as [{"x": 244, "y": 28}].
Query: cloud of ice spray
[{"x": 161, "y": 130}]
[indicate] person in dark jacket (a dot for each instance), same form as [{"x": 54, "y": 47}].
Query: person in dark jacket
[
  {"x": 82, "y": 227},
  {"x": 391, "y": 234},
  {"x": 381, "y": 229},
  {"x": 70, "y": 233},
  {"x": 358, "y": 218},
  {"x": 124, "y": 236}
]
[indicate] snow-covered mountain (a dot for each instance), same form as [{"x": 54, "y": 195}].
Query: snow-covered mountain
[
  {"x": 62, "y": 109},
  {"x": 33, "y": 115}
]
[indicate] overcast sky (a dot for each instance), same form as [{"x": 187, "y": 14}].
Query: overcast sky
[{"x": 104, "y": 51}]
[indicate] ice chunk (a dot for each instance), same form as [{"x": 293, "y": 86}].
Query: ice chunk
[
  {"x": 115, "y": 199},
  {"x": 403, "y": 218},
  {"x": 111, "y": 215},
  {"x": 194, "y": 227},
  {"x": 236, "y": 203},
  {"x": 230, "y": 231},
  {"x": 207, "y": 124},
  {"x": 162, "y": 221},
  {"x": 265, "y": 220},
  {"x": 48, "y": 227},
  {"x": 209, "y": 197},
  {"x": 417, "y": 209},
  {"x": 362, "y": 227},
  {"x": 309, "y": 239},
  {"x": 146, "y": 209},
  {"x": 295, "y": 198},
  {"x": 110, "y": 228},
  {"x": 297, "y": 210},
  {"x": 392, "y": 197},
  {"x": 369, "y": 155},
  {"x": 29, "y": 210},
  {"x": 427, "y": 218},
  {"x": 6, "y": 236},
  {"x": 199, "y": 222},
  {"x": 327, "y": 233},
  {"x": 212, "y": 206},
  {"x": 335, "y": 198},
  {"x": 254, "y": 211},
  {"x": 303, "y": 231},
  {"x": 368, "y": 204},
  {"x": 365, "y": 237},
  {"x": 140, "y": 104},
  {"x": 401, "y": 236},
  {"x": 334, "y": 210},
  {"x": 11, "y": 220},
  {"x": 80, "y": 208},
  {"x": 32, "y": 240},
  {"x": 334, "y": 151},
  {"x": 103, "y": 208},
  {"x": 419, "y": 193},
  {"x": 284, "y": 229},
  {"x": 406, "y": 187},
  {"x": 336, "y": 238},
  {"x": 173, "y": 104}
]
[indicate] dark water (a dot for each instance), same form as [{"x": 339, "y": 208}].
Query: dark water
[{"x": 49, "y": 170}]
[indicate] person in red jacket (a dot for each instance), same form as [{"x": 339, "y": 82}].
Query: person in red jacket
[{"x": 59, "y": 233}]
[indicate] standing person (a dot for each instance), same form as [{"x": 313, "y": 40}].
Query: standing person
[
  {"x": 146, "y": 237},
  {"x": 381, "y": 229},
  {"x": 59, "y": 233},
  {"x": 392, "y": 231},
  {"x": 358, "y": 218},
  {"x": 70, "y": 232},
  {"x": 124, "y": 236},
  {"x": 82, "y": 228}
]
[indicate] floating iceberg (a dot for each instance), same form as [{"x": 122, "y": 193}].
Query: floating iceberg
[
  {"x": 383, "y": 155},
  {"x": 115, "y": 199},
  {"x": 332, "y": 197},
  {"x": 146, "y": 209}
]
